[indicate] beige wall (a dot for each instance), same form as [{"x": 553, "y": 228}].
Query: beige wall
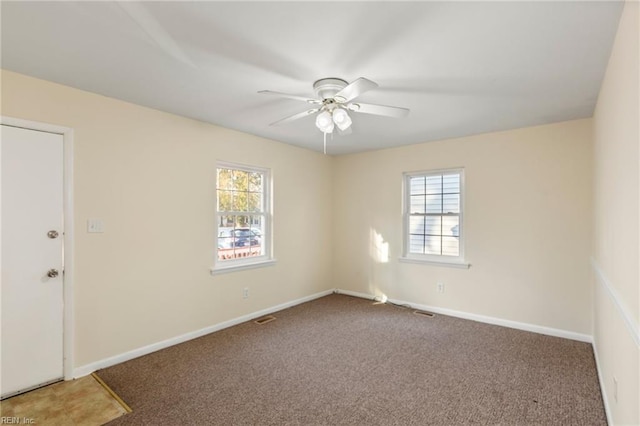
[
  {"x": 151, "y": 177},
  {"x": 527, "y": 218},
  {"x": 616, "y": 252}
]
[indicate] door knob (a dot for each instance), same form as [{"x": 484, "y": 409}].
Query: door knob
[
  {"x": 52, "y": 234},
  {"x": 52, "y": 273}
]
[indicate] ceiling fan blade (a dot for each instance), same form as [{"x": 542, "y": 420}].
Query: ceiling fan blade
[
  {"x": 355, "y": 89},
  {"x": 286, "y": 95},
  {"x": 295, "y": 117},
  {"x": 389, "y": 111}
]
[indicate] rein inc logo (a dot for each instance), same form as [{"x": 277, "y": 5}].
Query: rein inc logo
[{"x": 4, "y": 420}]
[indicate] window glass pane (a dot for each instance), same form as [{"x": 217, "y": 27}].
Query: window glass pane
[
  {"x": 417, "y": 204},
  {"x": 255, "y": 202},
  {"x": 451, "y": 183},
  {"x": 450, "y": 225},
  {"x": 224, "y": 200},
  {"x": 433, "y": 184},
  {"x": 226, "y": 222},
  {"x": 225, "y": 242},
  {"x": 225, "y": 180},
  {"x": 258, "y": 235},
  {"x": 255, "y": 182},
  {"x": 433, "y": 225},
  {"x": 244, "y": 238},
  {"x": 433, "y": 204},
  {"x": 450, "y": 246},
  {"x": 451, "y": 203},
  {"x": 432, "y": 245},
  {"x": 239, "y": 201},
  {"x": 416, "y": 185},
  {"x": 416, "y": 224},
  {"x": 416, "y": 244},
  {"x": 256, "y": 224},
  {"x": 240, "y": 180},
  {"x": 242, "y": 222}
]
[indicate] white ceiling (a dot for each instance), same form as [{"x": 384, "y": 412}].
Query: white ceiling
[{"x": 461, "y": 67}]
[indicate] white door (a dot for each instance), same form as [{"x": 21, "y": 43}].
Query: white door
[{"x": 31, "y": 179}]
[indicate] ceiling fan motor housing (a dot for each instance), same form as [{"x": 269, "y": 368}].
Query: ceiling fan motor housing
[{"x": 327, "y": 88}]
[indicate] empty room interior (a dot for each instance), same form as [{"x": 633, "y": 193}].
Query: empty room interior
[{"x": 432, "y": 208}]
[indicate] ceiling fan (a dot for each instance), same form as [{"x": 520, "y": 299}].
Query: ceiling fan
[{"x": 335, "y": 100}]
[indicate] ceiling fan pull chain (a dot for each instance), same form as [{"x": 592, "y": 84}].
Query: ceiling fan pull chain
[{"x": 325, "y": 143}]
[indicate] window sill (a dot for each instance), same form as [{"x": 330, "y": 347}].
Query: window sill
[
  {"x": 217, "y": 270},
  {"x": 444, "y": 263}
]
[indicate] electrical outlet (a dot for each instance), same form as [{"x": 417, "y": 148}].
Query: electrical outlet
[
  {"x": 245, "y": 293},
  {"x": 440, "y": 287},
  {"x": 615, "y": 389}
]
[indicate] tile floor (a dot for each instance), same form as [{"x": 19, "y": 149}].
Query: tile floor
[{"x": 80, "y": 402}]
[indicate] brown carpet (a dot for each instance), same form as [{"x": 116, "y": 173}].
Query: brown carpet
[{"x": 341, "y": 360}]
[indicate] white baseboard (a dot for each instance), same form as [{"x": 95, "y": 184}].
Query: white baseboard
[
  {"x": 355, "y": 294},
  {"x": 117, "y": 359},
  {"x": 485, "y": 319},
  {"x": 603, "y": 389}
]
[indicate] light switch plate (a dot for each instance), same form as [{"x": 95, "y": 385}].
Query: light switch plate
[{"x": 95, "y": 225}]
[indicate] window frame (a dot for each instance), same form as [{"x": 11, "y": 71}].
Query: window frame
[
  {"x": 265, "y": 259},
  {"x": 435, "y": 259}
]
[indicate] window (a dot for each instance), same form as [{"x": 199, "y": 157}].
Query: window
[
  {"x": 243, "y": 216},
  {"x": 433, "y": 216}
]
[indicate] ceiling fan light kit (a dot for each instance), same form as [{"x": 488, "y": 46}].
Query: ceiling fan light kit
[
  {"x": 335, "y": 100},
  {"x": 341, "y": 118},
  {"x": 324, "y": 122}
]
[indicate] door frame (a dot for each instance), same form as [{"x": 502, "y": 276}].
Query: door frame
[{"x": 68, "y": 327}]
